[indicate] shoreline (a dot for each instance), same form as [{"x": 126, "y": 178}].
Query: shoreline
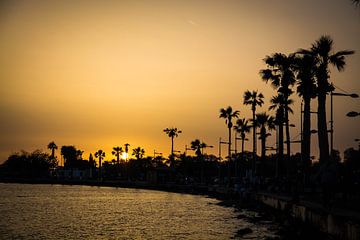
[
  {"x": 168, "y": 187},
  {"x": 284, "y": 225}
]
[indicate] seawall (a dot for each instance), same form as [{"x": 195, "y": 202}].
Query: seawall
[{"x": 340, "y": 223}]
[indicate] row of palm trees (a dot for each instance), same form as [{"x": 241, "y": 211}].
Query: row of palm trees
[
  {"x": 309, "y": 70},
  {"x": 117, "y": 151}
]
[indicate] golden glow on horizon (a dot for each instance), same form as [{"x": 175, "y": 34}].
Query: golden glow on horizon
[
  {"x": 99, "y": 74},
  {"x": 124, "y": 156}
]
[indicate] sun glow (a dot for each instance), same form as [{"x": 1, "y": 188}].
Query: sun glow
[{"x": 124, "y": 156}]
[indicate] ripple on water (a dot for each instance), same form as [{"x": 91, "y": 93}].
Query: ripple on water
[{"x": 84, "y": 212}]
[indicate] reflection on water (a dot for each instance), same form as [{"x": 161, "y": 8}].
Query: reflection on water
[{"x": 83, "y": 212}]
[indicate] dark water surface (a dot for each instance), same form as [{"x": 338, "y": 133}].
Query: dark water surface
[{"x": 83, "y": 212}]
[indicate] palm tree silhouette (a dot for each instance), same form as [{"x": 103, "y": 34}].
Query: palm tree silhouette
[
  {"x": 117, "y": 151},
  {"x": 228, "y": 114},
  {"x": 79, "y": 154},
  {"x": 198, "y": 146},
  {"x": 322, "y": 52},
  {"x": 52, "y": 146},
  {"x": 306, "y": 88},
  {"x": 172, "y": 132},
  {"x": 138, "y": 153},
  {"x": 242, "y": 127},
  {"x": 263, "y": 120},
  {"x": 281, "y": 106},
  {"x": 127, "y": 150},
  {"x": 280, "y": 72},
  {"x": 253, "y": 99},
  {"x": 100, "y": 154}
]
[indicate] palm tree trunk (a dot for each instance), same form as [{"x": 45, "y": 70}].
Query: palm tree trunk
[
  {"x": 100, "y": 168},
  {"x": 280, "y": 159},
  {"x": 242, "y": 148},
  {"x": 322, "y": 128},
  {"x": 202, "y": 169},
  {"x": 306, "y": 137},
  {"x": 287, "y": 129},
  {"x": 263, "y": 142},
  {"x": 172, "y": 152},
  {"x": 254, "y": 142},
  {"x": 229, "y": 154},
  {"x": 236, "y": 157}
]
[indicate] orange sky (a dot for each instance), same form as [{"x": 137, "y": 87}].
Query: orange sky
[{"x": 97, "y": 74}]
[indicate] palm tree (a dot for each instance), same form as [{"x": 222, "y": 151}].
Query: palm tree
[
  {"x": 127, "y": 150},
  {"x": 278, "y": 104},
  {"x": 79, "y": 154},
  {"x": 138, "y": 153},
  {"x": 198, "y": 146},
  {"x": 117, "y": 151},
  {"x": 100, "y": 154},
  {"x": 280, "y": 72},
  {"x": 263, "y": 120},
  {"x": 172, "y": 132},
  {"x": 253, "y": 99},
  {"x": 322, "y": 52},
  {"x": 306, "y": 88},
  {"x": 52, "y": 146},
  {"x": 229, "y": 114},
  {"x": 242, "y": 127}
]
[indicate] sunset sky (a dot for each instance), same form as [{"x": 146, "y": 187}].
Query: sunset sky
[{"x": 98, "y": 74}]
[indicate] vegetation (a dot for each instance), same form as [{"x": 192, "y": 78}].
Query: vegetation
[
  {"x": 253, "y": 99},
  {"x": 280, "y": 73},
  {"x": 117, "y": 151},
  {"x": 228, "y": 114},
  {"x": 322, "y": 53},
  {"x": 138, "y": 153},
  {"x": 306, "y": 88},
  {"x": 100, "y": 154},
  {"x": 52, "y": 146},
  {"x": 36, "y": 164},
  {"x": 242, "y": 127},
  {"x": 263, "y": 120},
  {"x": 172, "y": 133}
]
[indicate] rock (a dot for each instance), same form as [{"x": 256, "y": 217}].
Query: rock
[{"x": 243, "y": 231}]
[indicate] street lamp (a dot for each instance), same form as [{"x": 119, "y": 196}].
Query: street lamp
[
  {"x": 352, "y": 95},
  {"x": 236, "y": 139},
  {"x": 353, "y": 114},
  {"x": 221, "y": 142},
  {"x": 186, "y": 148},
  {"x": 157, "y": 153}
]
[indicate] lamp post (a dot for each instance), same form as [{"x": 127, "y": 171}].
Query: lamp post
[
  {"x": 352, "y": 95},
  {"x": 221, "y": 142},
  {"x": 157, "y": 153},
  {"x": 186, "y": 149},
  {"x": 205, "y": 146}
]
